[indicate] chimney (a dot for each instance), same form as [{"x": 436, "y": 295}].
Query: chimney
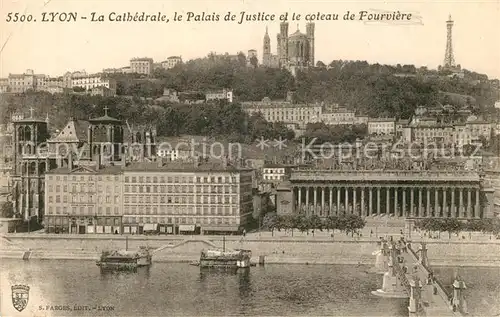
[{"x": 70, "y": 161}]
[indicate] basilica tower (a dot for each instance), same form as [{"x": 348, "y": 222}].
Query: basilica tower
[
  {"x": 310, "y": 38},
  {"x": 266, "y": 51}
]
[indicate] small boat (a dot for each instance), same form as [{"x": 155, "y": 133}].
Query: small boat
[
  {"x": 237, "y": 259},
  {"x": 124, "y": 260}
]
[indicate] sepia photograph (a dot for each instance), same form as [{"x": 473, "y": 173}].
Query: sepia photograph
[{"x": 249, "y": 158}]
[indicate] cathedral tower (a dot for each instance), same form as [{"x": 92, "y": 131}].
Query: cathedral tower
[
  {"x": 31, "y": 161},
  {"x": 310, "y": 37}
]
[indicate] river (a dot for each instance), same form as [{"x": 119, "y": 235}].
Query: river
[{"x": 168, "y": 289}]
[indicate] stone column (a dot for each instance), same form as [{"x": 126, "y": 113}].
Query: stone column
[
  {"x": 323, "y": 189},
  {"x": 299, "y": 194},
  {"x": 461, "y": 208},
  {"x": 370, "y": 201},
  {"x": 428, "y": 202},
  {"x": 445, "y": 204},
  {"x": 387, "y": 201},
  {"x": 362, "y": 212},
  {"x": 436, "y": 201},
  {"x": 338, "y": 199},
  {"x": 354, "y": 204},
  {"x": 378, "y": 201},
  {"x": 403, "y": 208},
  {"x": 412, "y": 199},
  {"x": 330, "y": 201},
  {"x": 315, "y": 199},
  {"x": 346, "y": 203},
  {"x": 477, "y": 212},
  {"x": 469, "y": 201},
  {"x": 453, "y": 211},
  {"x": 420, "y": 206},
  {"x": 307, "y": 200},
  {"x": 396, "y": 211}
]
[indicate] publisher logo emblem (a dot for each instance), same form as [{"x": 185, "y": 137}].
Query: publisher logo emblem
[{"x": 20, "y": 296}]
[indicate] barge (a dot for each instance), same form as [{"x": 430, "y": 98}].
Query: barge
[
  {"x": 123, "y": 260},
  {"x": 221, "y": 259}
]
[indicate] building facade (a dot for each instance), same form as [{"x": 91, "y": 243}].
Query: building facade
[
  {"x": 171, "y": 62},
  {"x": 89, "y": 82},
  {"x": 224, "y": 94},
  {"x": 143, "y": 65},
  {"x": 398, "y": 194},
  {"x": 184, "y": 198},
  {"x": 381, "y": 126}
]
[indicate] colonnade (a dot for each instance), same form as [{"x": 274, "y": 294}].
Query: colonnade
[{"x": 395, "y": 200}]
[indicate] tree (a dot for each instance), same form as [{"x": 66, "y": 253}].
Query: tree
[
  {"x": 332, "y": 222},
  {"x": 7, "y": 209},
  {"x": 270, "y": 221},
  {"x": 353, "y": 223},
  {"x": 320, "y": 64},
  {"x": 315, "y": 223},
  {"x": 254, "y": 61},
  {"x": 451, "y": 225}
]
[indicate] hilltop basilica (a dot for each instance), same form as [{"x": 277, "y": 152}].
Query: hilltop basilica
[{"x": 295, "y": 51}]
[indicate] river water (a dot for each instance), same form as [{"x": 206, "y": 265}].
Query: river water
[{"x": 168, "y": 289}]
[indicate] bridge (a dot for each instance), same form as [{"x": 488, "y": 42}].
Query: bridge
[{"x": 408, "y": 275}]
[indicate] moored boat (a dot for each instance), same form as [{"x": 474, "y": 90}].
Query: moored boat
[
  {"x": 124, "y": 260},
  {"x": 221, "y": 259}
]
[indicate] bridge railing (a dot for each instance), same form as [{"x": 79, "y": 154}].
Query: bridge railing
[{"x": 440, "y": 287}]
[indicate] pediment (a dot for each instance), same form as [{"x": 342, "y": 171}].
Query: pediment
[{"x": 83, "y": 170}]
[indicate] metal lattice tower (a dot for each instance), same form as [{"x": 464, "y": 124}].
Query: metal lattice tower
[{"x": 449, "y": 60}]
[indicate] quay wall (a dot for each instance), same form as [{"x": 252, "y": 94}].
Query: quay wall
[{"x": 275, "y": 250}]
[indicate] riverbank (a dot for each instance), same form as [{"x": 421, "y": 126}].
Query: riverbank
[{"x": 278, "y": 250}]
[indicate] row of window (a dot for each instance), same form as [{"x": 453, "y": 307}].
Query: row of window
[
  {"x": 179, "y": 179},
  {"x": 182, "y": 220},
  {"x": 180, "y": 210},
  {"x": 82, "y": 188},
  {"x": 83, "y": 210},
  {"x": 214, "y": 189},
  {"x": 84, "y": 178},
  {"x": 84, "y": 199},
  {"x": 226, "y": 199}
]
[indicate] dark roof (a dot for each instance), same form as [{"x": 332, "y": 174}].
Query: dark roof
[
  {"x": 177, "y": 166},
  {"x": 105, "y": 118},
  {"x": 30, "y": 120},
  {"x": 74, "y": 131},
  {"x": 87, "y": 170}
]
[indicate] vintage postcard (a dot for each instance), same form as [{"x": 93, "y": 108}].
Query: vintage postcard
[{"x": 249, "y": 158}]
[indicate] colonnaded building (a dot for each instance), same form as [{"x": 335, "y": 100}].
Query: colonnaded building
[{"x": 395, "y": 193}]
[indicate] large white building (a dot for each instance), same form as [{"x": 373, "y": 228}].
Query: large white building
[
  {"x": 89, "y": 82},
  {"x": 171, "y": 61},
  {"x": 381, "y": 126},
  {"x": 142, "y": 65},
  {"x": 223, "y": 94},
  {"x": 300, "y": 114}
]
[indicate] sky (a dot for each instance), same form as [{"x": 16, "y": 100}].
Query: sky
[{"x": 54, "y": 48}]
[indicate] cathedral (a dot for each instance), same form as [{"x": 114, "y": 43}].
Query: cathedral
[{"x": 293, "y": 51}]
